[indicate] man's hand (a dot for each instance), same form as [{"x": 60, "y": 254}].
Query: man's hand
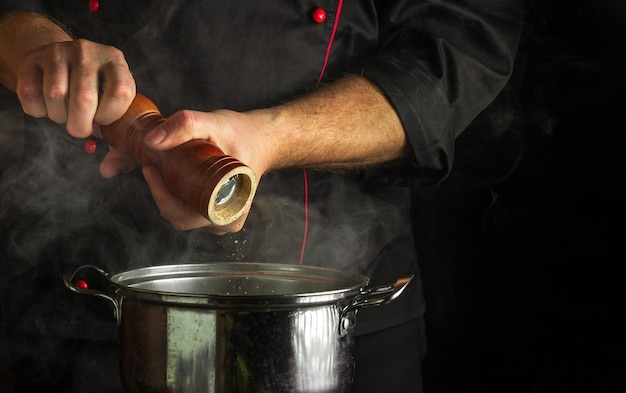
[
  {"x": 77, "y": 82},
  {"x": 348, "y": 124},
  {"x": 236, "y": 134}
]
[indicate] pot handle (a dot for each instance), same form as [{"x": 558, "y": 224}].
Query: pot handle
[
  {"x": 85, "y": 280},
  {"x": 370, "y": 297}
]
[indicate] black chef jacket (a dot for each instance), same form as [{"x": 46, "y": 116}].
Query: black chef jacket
[{"x": 440, "y": 63}]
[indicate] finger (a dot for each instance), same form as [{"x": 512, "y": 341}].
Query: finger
[
  {"x": 181, "y": 215},
  {"x": 29, "y": 91},
  {"x": 114, "y": 163},
  {"x": 82, "y": 105},
  {"x": 177, "y": 129},
  {"x": 55, "y": 91},
  {"x": 83, "y": 100},
  {"x": 117, "y": 92}
]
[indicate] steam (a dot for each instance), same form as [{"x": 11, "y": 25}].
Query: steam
[
  {"x": 60, "y": 203},
  {"x": 344, "y": 223},
  {"x": 58, "y": 213},
  {"x": 60, "y": 209}
]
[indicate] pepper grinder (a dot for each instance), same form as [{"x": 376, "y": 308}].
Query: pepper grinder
[{"x": 218, "y": 186}]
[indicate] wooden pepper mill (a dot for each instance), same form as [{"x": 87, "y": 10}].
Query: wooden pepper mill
[{"x": 218, "y": 186}]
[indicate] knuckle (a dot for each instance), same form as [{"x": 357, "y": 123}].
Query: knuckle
[
  {"x": 57, "y": 52},
  {"x": 187, "y": 119},
  {"x": 122, "y": 90},
  {"x": 116, "y": 56},
  {"x": 81, "y": 45},
  {"x": 27, "y": 93},
  {"x": 85, "y": 98},
  {"x": 55, "y": 92}
]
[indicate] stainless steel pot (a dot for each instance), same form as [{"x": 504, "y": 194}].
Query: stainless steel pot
[{"x": 236, "y": 327}]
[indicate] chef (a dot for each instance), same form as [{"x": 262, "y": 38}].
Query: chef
[{"x": 339, "y": 107}]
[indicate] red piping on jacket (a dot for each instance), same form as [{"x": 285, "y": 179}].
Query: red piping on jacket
[
  {"x": 330, "y": 42},
  {"x": 305, "y": 176}
]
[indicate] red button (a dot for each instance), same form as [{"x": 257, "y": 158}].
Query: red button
[
  {"x": 318, "y": 15},
  {"x": 94, "y": 5},
  {"x": 90, "y": 146},
  {"x": 81, "y": 284}
]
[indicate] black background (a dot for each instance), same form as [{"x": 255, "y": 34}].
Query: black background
[{"x": 522, "y": 270}]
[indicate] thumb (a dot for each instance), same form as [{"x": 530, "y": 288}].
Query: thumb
[{"x": 175, "y": 130}]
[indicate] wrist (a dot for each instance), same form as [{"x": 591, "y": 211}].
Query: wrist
[{"x": 271, "y": 137}]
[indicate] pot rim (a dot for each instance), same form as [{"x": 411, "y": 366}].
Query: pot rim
[{"x": 337, "y": 285}]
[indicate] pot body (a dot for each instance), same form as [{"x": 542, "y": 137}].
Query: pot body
[
  {"x": 166, "y": 348},
  {"x": 235, "y": 327}
]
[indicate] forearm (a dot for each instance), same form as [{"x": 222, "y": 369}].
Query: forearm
[
  {"x": 346, "y": 124},
  {"x": 20, "y": 34}
]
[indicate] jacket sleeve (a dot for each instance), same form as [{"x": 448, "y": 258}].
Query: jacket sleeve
[{"x": 441, "y": 62}]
